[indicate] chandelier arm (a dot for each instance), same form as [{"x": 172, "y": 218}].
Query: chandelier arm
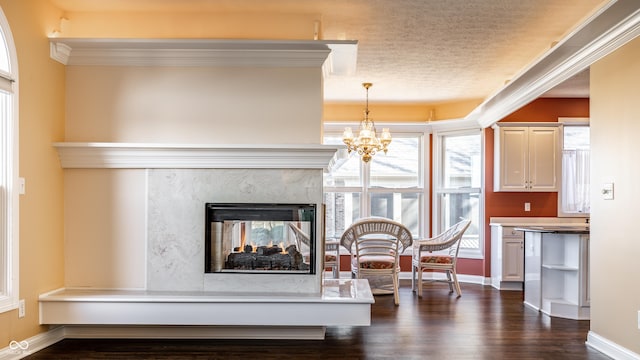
[{"x": 367, "y": 143}]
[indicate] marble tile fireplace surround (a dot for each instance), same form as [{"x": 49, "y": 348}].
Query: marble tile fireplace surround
[{"x": 179, "y": 293}]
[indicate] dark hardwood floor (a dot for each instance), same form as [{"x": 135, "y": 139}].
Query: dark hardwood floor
[{"x": 483, "y": 324}]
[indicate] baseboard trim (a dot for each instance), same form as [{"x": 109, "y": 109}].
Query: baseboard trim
[
  {"x": 610, "y": 348},
  {"x": 19, "y": 349}
]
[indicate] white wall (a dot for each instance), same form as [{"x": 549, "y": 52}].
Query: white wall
[
  {"x": 615, "y": 243},
  {"x": 237, "y": 105},
  {"x": 105, "y": 220}
]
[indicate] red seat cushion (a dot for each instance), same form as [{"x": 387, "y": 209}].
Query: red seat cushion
[
  {"x": 375, "y": 262},
  {"x": 436, "y": 259}
]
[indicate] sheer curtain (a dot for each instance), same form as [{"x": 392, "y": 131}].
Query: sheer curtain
[{"x": 575, "y": 171}]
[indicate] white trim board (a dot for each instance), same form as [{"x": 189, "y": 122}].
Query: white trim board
[
  {"x": 336, "y": 57},
  {"x": 610, "y": 348},
  {"x": 100, "y": 155}
]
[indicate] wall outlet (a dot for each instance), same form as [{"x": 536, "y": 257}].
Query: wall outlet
[
  {"x": 21, "y": 308},
  {"x": 638, "y": 319},
  {"x": 527, "y": 206}
]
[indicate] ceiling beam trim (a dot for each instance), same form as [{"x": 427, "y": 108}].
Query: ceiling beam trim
[{"x": 574, "y": 54}]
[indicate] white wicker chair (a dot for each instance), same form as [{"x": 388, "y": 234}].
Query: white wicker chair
[
  {"x": 375, "y": 245},
  {"x": 423, "y": 257},
  {"x": 331, "y": 253}
]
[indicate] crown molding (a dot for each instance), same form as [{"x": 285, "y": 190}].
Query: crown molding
[
  {"x": 86, "y": 155},
  {"x": 604, "y": 32},
  {"x": 336, "y": 57}
]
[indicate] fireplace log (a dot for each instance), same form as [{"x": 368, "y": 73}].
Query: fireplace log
[{"x": 267, "y": 258}]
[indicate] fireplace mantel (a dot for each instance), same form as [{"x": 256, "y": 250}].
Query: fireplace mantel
[{"x": 97, "y": 155}]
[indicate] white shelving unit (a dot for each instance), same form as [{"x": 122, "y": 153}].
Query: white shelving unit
[{"x": 557, "y": 273}]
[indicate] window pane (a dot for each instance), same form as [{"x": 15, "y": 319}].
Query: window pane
[
  {"x": 341, "y": 210},
  {"x": 462, "y": 206},
  {"x": 461, "y": 161},
  {"x": 401, "y": 207},
  {"x": 400, "y": 166},
  {"x": 575, "y": 189},
  {"x": 459, "y": 188},
  {"x": 576, "y": 137},
  {"x": 4, "y": 54},
  {"x": 346, "y": 171}
]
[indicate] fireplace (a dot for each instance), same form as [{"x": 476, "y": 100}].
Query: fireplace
[{"x": 260, "y": 238}]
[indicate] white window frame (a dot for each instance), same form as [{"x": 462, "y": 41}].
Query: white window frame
[
  {"x": 337, "y": 128},
  {"x": 9, "y": 198},
  {"x": 569, "y": 121},
  {"x": 457, "y": 127}
]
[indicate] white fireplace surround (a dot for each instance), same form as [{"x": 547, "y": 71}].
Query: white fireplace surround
[
  {"x": 182, "y": 178},
  {"x": 152, "y": 192},
  {"x": 178, "y": 295}
]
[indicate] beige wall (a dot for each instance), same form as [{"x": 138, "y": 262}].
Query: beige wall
[
  {"x": 41, "y": 111},
  {"x": 176, "y": 23},
  {"x": 105, "y": 228},
  {"x": 405, "y": 112},
  {"x": 203, "y": 105},
  {"x": 615, "y": 110}
]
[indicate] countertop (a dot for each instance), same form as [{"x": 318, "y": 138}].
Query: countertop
[
  {"x": 570, "y": 229},
  {"x": 539, "y": 222}
]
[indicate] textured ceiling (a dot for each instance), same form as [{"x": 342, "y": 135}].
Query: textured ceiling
[{"x": 418, "y": 51}]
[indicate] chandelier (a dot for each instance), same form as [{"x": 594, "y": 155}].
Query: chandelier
[{"x": 367, "y": 143}]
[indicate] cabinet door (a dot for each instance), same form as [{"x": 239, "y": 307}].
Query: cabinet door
[
  {"x": 544, "y": 162},
  {"x": 513, "y": 159},
  {"x": 513, "y": 260}
]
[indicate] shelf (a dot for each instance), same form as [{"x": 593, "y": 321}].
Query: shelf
[
  {"x": 100, "y": 155},
  {"x": 560, "y": 267},
  {"x": 559, "y": 301},
  {"x": 560, "y": 307},
  {"x": 336, "y": 57}
]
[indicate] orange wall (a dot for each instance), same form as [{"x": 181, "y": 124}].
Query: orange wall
[{"x": 511, "y": 204}]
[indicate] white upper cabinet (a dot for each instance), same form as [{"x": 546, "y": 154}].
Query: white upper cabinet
[{"x": 527, "y": 157}]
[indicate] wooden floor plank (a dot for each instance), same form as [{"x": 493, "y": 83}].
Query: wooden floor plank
[{"x": 483, "y": 324}]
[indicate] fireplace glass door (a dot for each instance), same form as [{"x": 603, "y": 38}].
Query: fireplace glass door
[{"x": 260, "y": 238}]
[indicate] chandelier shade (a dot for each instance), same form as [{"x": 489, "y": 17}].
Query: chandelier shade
[{"x": 367, "y": 144}]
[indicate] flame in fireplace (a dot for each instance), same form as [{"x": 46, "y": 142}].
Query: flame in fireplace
[{"x": 243, "y": 236}]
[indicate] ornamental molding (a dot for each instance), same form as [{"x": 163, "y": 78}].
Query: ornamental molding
[
  {"x": 337, "y": 57},
  {"x": 604, "y": 32},
  {"x": 169, "y": 156}
]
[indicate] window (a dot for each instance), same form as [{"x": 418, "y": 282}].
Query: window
[
  {"x": 391, "y": 185},
  {"x": 457, "y": 186},
  {"x": 573, "y": 198},
  {"x": 8, "y": 170}
]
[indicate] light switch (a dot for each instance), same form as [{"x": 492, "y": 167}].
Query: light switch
[{"x": 607, "y": 191}]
